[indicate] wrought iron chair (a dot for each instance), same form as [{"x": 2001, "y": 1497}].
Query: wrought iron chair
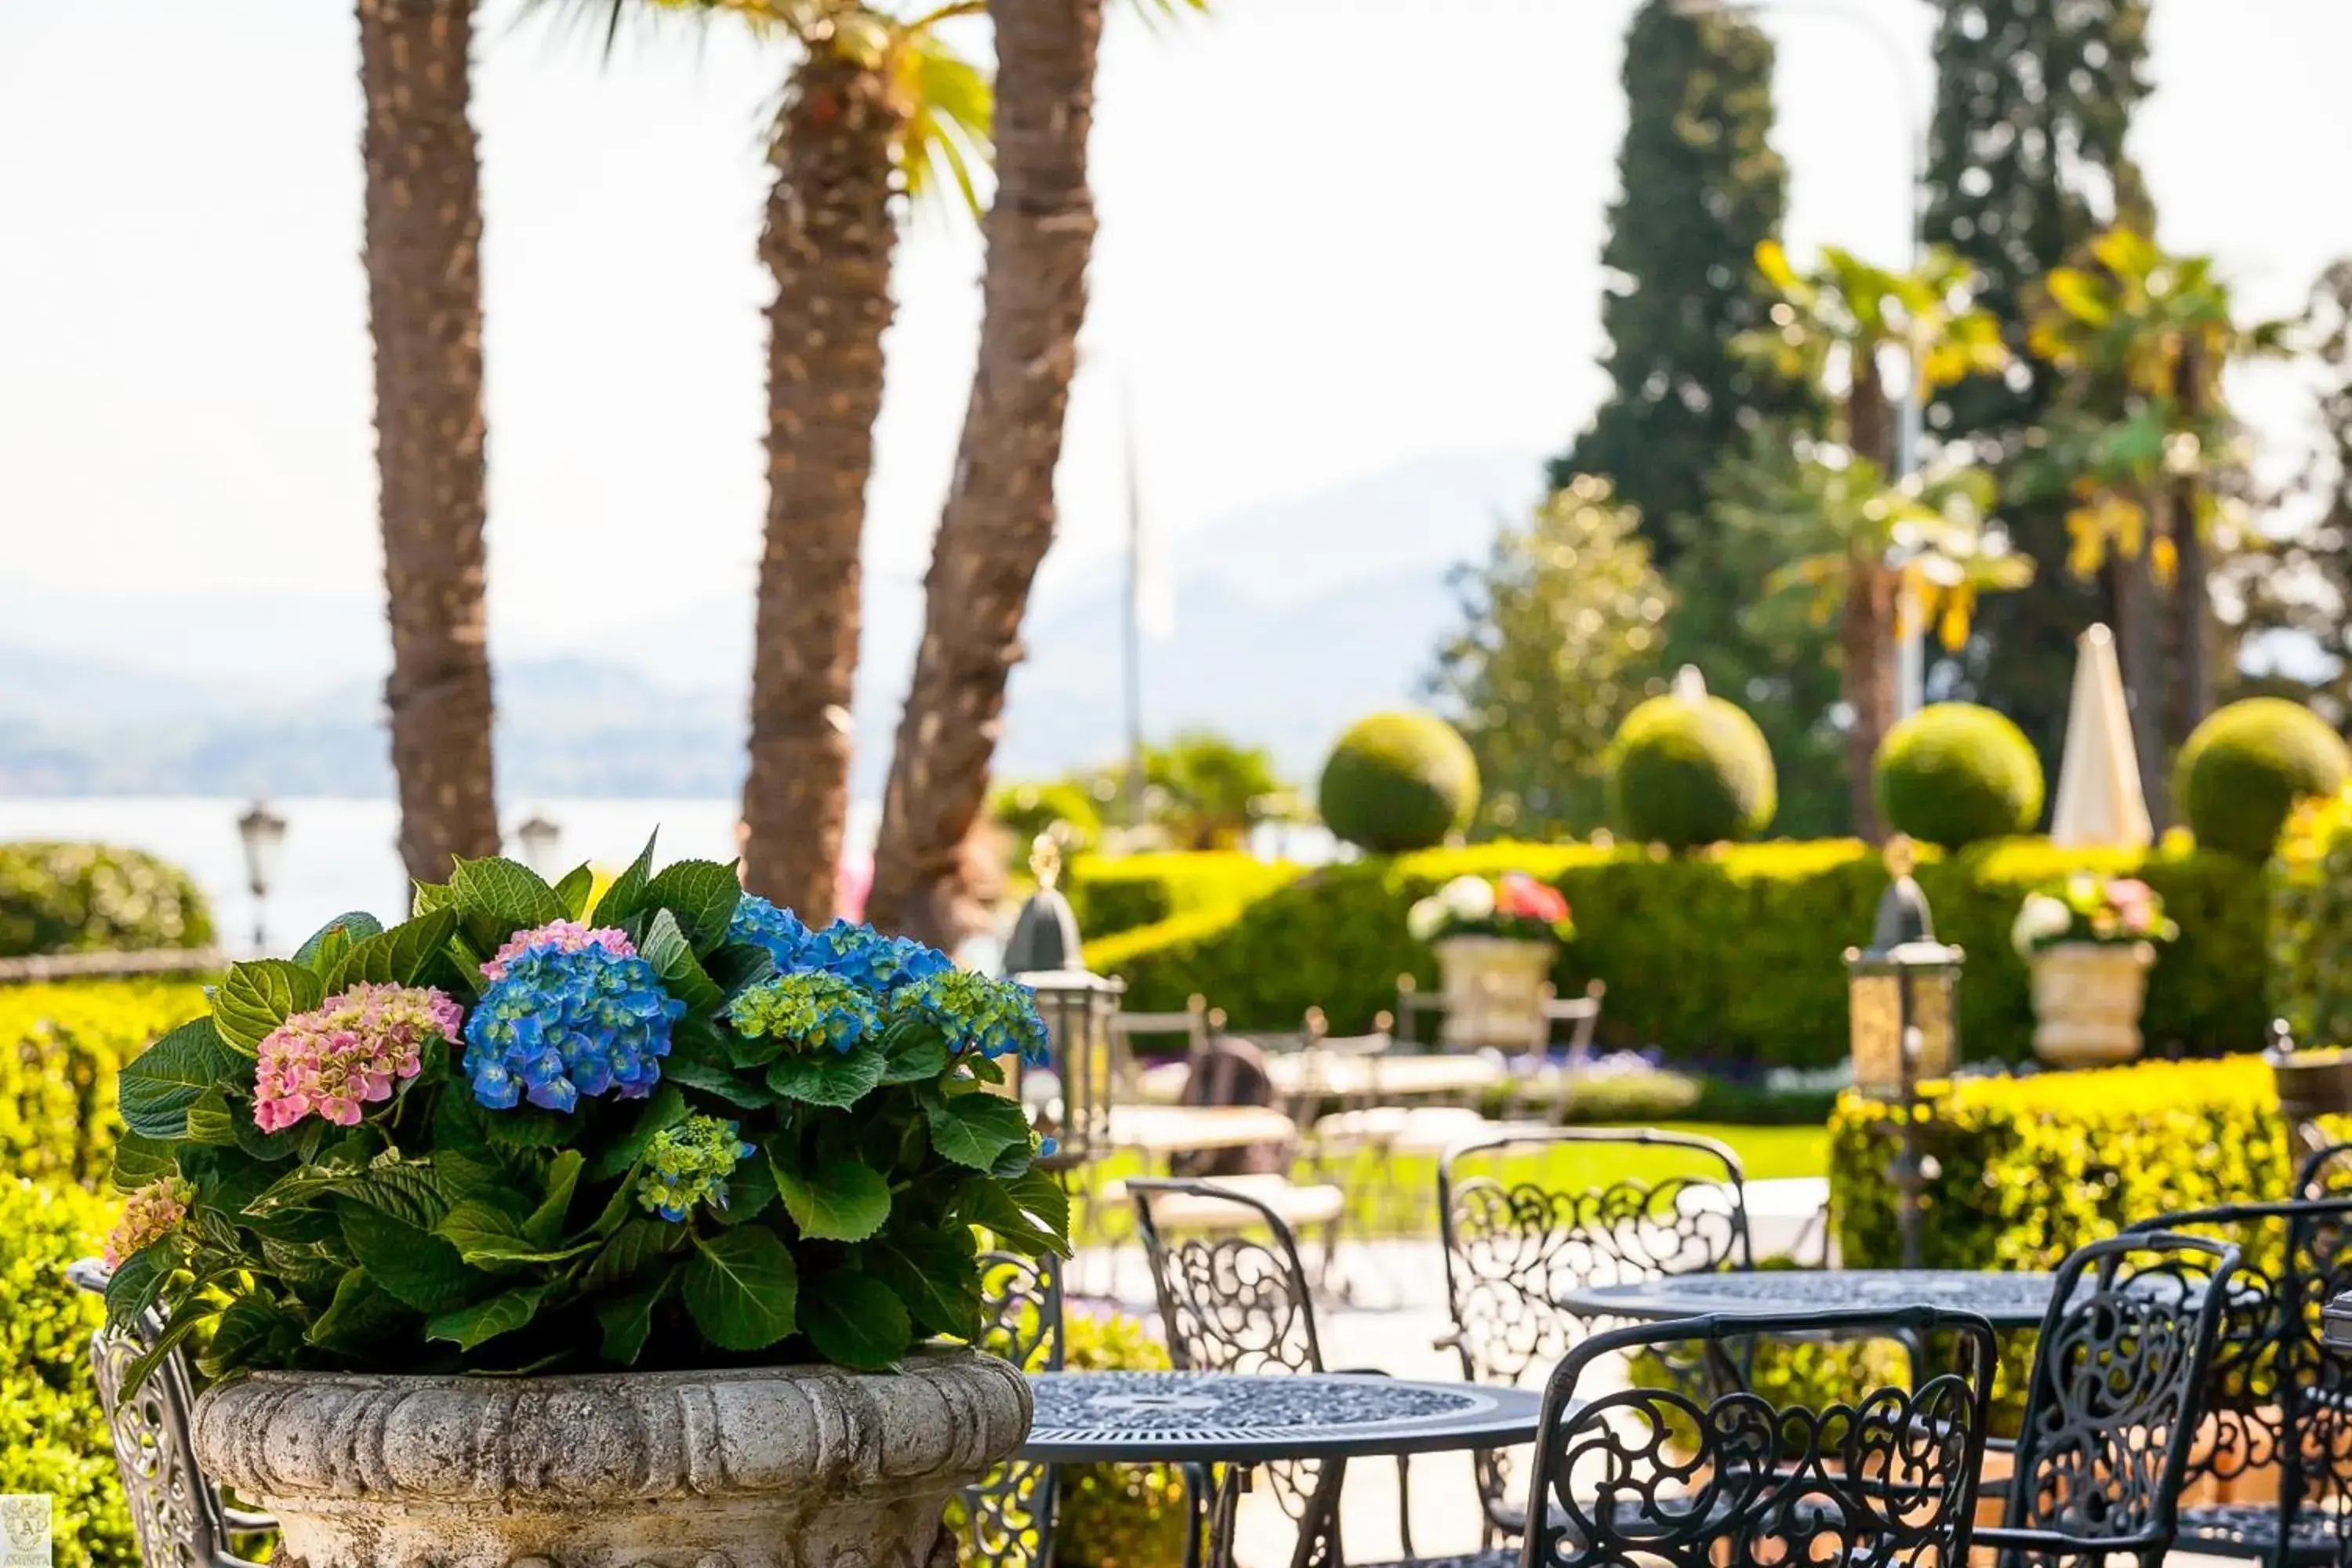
[
  {"x": 1513, "y": 1249},
  {"x": 2273, "y": 1394},
  {"x": 1239, "y": 1300},
  {"x": 2326, "y": 1172},
  {"x": 2114, "y": 1401},
  {"x": 1008, "y": 1517},
  {"x": 1653, "y": 1475},
  {"x": 177, "y": 1514}
]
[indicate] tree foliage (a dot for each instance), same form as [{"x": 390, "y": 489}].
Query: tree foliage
[
  {"x": 1700, "y": 187},
  {"x": 2026, "y": 162},
  {"x": 1561, "y": 634}
]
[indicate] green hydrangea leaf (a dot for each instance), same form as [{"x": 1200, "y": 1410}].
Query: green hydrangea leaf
[
  {"x": 155, "y": 1090},
  {"x": 826, "y": 1077},
  {"x": 988, "y": 1203},
  {"x": 665, "y": 1108},
  {"x": 138, "y": 1160},
  {"x": 490, "y": 1236},
  {"x": 634, "y": 1244},
  {"x": 750, "y": 1188},
  {"x": 935, "y": 1273},
  {"x": 973, "y": 1130},
  {"x": 258, "y": 996},
  {"x": 855, "y": 1320},
  {"x": 626, "y": 896},
  {"x": 210, "y": 1120},
  {"x": 546, "y": 1222},
  {"x": 505, "y": 890},
  {"x": 415, "y": 1266},
  {"x": 913, "y": 1051},
  {"x": 529, "y": 1127},
  {"x": 352, "y": 926},
  {"x": 249, "y": 1332},
  {"x": 413, "y": 952},
  {"x": 627, "y": 1322},
  {"x": 716, "y": 1080},
  {"x": 362, "y": 1314},
  {"x": 702, "y": 894},
  {"x": 667, "y": 949},
  {"x": 742, "y": 1289},
  {"x": 137, "y": 1280},
  {"x": 574, "y": 888},
  {"x": 501, "y": 1314},
  {"x": 833, "y": 1200}
]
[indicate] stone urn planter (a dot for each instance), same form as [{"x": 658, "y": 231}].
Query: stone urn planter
[
  {"x": 757, "y": 1468},
  {"x": 1494, "y": 991},
  {"x": 2086, "y": 1002}
]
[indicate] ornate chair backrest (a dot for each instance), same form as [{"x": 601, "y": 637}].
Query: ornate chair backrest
[
  {"x": 177, "y": 1511},
  {"x": 1233, "y": 1300},
  {"x": 1653, "y": 1475},
  {"x": 2113, "y": 1405},
  {"x": 2327, "y": 1173},
  {"x": 1009, "y": 1514},
  {"x": 2274, "y": 1393},
  {"x": 1513, "y": 1248}
]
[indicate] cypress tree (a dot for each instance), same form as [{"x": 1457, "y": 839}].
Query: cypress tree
[
  {"x": 2026, "y": 162},
  {"x": 1699, "y": 186}
]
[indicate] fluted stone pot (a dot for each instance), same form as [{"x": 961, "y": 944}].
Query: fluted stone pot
[
  {"x": 1494, "y": 990},
  {"x": 2086, "y": 1002},
  {"x": 762, "y": 1468}
]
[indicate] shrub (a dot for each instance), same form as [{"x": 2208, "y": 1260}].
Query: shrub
[
  {"x": 1063, "y": 809},
  {"x": 1955, "y": 773},
  {"x": 2030, "y": 1168},
  {"x": 2244, "y": 768},
  {"x": 1117, "y": 1516},
  {"x": 1398, "y": 782},
  {"x": 1734, "y": 956},
  {"x": 1683, "y": 773},
  {"x": 60, "y": 1047},
  {"x": 94, "y": 897},
  {"x": 53, "y": 1436},
  {"x": 2311, "y": 922},
  {"x": 1110, "y": 894}
]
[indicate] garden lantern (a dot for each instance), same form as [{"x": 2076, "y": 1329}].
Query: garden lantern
[
  {"x": 1070, "y": 1098},
  {"x": 1903, "y": 995},
  {"x": 539, "y": 836},
  {"x": 262, "y": 833}
]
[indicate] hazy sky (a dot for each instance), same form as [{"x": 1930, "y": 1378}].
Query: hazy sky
[{"x": 1336, "y": 234}]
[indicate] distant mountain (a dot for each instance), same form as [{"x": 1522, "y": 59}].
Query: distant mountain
[{"x": 1292, "y": 619}]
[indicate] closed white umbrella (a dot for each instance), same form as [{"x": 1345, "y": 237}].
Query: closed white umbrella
[{"x": 2100, "y": 803}]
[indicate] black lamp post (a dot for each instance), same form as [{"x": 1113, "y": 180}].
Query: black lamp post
[
  {"x": 1070, "y": 1100},
  {"x": 1902, "y": 994},
  {"x": 262, "y": 833},
  {"x": 539, "y": 836}
]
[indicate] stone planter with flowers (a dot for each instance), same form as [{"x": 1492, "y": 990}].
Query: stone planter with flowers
[
  {"x": 528, "y": 1232},
  {"x": 1496, "y": 942},
  {"x": 2090, "y": 941}
]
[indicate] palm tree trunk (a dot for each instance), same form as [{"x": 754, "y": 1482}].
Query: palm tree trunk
[
  {"x": 2195, "y": 608},
  {"x": 2136, "y": 643},
  {"x": 999, "y": 519},
  {"x": 1869, "y": 417},
  {"x": 424, "y": 240},
  {"x": 1866, "y": 683},
  {"x": 828, "y": 244}
]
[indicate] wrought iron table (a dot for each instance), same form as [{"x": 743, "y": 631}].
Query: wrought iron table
[
  {"x": 1203, "y": 1418},
  {"x": 2006, "y": 1300}
]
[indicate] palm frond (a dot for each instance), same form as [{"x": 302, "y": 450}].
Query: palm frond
[{"x": 950, "y": 109}]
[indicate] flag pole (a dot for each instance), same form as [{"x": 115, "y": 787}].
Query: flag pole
[{"x": 1134, "y": 625}]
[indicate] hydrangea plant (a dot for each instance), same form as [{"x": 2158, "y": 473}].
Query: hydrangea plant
[
  {"x": 2110, "y": 912},
  {"x": 517, "y": 1134},
  {"x": 1514, "y": 905}
]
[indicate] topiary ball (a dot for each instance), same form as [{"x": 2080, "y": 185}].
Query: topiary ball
[
  {"x": 2244, "y": 768},
  {"x": 1955, "y": 773},
  {"x": 1683, "y": 774},
  {"x": 1398, "y": 781}
]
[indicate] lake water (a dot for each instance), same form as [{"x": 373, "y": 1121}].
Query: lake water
[{"x": 338, "y": 853}]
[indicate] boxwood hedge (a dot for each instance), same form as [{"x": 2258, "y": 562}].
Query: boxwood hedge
[
  {"x": 95, "y": 897},
  {"x": 1732, "y": 956}
]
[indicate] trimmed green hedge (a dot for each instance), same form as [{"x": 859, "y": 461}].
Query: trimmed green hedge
[
  {"x": 1110, "y": 894},
  {"x": 60, "y": 1047},
  {"x": 1732, "y": 956},
  {"x": 53, "y": 1436},
  {"x": 2032, "y": 1168},
  {"x": 94, "y": 897}
]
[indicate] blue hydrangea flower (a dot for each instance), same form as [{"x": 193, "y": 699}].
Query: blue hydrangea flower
[
  {"x": 761, "y": 924},
  {"x": 994, "y": 1017},
  {"x": 805, "y": 1011},
  {"x": 881, "y": 964},
  {"x": 555, "y": 1025},
  {"x": 689, "y": 1163}
]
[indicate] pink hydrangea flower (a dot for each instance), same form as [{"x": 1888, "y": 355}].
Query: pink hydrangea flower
[
  {"x": 346, "y": 1054},
  {"x": 565, "y": 936},
  {"x": 154, "y": 1212}
]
